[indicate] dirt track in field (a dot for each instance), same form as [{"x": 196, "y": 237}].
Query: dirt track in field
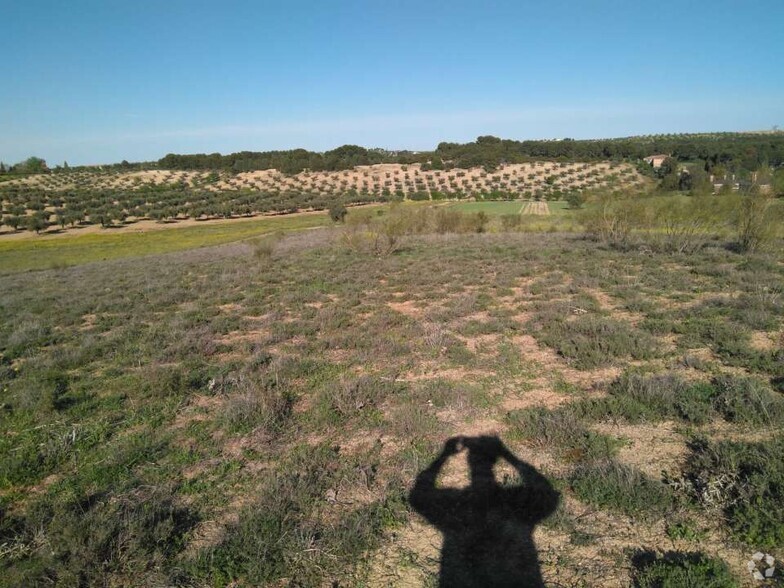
[{"x": 540, "y": 208}]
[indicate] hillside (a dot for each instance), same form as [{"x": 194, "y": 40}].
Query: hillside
[
  {"x": 106, "y": 197},
  {"x": 741, "y": 150}
]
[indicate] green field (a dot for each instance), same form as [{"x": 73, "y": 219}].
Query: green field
[
  {"x": 507, "y": 207},
  {"x": 56, "y": 251},
  {"x": 494, "y": 208},
  {"x": 43, "y": 252}
]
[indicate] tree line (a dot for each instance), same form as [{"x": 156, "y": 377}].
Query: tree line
[
  {"x": 737, "y": 151},
  {"x": 741, "y": 151},
  {"x": 288, "y": 162}
]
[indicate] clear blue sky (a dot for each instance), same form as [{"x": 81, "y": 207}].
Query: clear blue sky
[{"x": 102, "y": 81}]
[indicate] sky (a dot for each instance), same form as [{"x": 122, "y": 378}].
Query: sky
[{"x": 91, "y": 82}]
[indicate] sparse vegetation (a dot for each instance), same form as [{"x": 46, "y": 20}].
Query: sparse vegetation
[{"x": 229, "y": 404}]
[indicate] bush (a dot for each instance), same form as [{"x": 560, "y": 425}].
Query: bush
[
  {"x": 747, "y": 400},
  {"x": 575, "y": 200},
  {"x": 635, "y": 397},
  {"x": 257, "y": 403},
  {"x": 755, "y": 222},
  {"x": 746, "y": 480},
  {"x": 87, "y": 540},
  {"x": 612, "y": 219},
  {"x": 447, "y": 221},
  {"x": 562, "y": 429},
  {"x": 351, "y": 395},
  {"x": 618, "y": 487},
  {"x": 680, "y": 225},
  {"x": 264, "y": 247},
  {"x": 478, "y": 222},
  {"x": 511, "y": 222},
  {"x": 591, "y": 341},
  {"x": 338, "y": 212},
  {"x": 372, "y": 238},
  {"x": 681, "y": 570}
]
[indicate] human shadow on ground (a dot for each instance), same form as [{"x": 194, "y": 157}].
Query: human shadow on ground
[{"x": 487, "y": 527}]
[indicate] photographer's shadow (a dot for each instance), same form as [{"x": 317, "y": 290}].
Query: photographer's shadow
[{"x": 487, "y": 527}]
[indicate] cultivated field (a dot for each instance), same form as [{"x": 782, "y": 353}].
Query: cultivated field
[
  {"x": 68, "y": 200},
  {"x": 522, "y": 178},
  {"x": 276, "y": 410}
]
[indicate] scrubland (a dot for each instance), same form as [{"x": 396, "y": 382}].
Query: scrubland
[{"x": 256, "y": 412}]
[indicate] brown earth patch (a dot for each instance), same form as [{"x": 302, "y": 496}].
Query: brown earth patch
[
  {"x": 550, "y": 362},
  {"x": 433, "y": 370},
  {"x": 762, "y": 341},
  {"x": 199, "y": 408},
  {"x": 478, "y": 342},
  {"x": 88, "y": 322},
  {"x": 235, "y": 337},
  {"x": 652, "y": 448},
  {"x": 408, "y": 308},
  {"x": 541, "y": 395}
]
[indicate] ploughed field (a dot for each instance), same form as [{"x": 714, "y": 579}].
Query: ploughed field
[{"x": 259, "y": 412}]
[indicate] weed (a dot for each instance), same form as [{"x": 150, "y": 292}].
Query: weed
[
  {"x": 257, "y": 403},
  {"x": 684, "y": 531}
]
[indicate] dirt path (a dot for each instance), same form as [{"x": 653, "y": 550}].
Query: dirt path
[{"x": 540, "y": 208}]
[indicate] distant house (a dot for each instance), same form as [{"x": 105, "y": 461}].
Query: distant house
[{"x": 655, "y": 160}]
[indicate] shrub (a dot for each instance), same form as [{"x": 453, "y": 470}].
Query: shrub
[
  {"x": 257, "y": 403},
  {"x": 510, "y": 222},
  {"x": 575, "y": 200},
  {"x": 611, "y": 220},
  {"x": 338, "y": 212},
  {"x": 370, "y": 239},
  {"x": 618, "y": 487},
  {"x": 747, "y": 400},
  {"x": 755, "y": 221},
  {"x": 88, "y": 539},
  {"x": 562, "y": 429},
  {"x": 291, "y": 532},
  {"x": 636, "y": 397},
  {"x": 684, "y": 226},
  {"x": 681, "y": 570},
  {"x": 590, "y": 341},
  {"x": 351, "y": 395},
  {"x": 264, "y": 247},
  {"x": 478, "y": 222},
  {"x": 447, "y": 221},
  {"x": 746, "y": 480}
]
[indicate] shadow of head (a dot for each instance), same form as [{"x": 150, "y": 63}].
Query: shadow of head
[{"x": 487, "y": 526}]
